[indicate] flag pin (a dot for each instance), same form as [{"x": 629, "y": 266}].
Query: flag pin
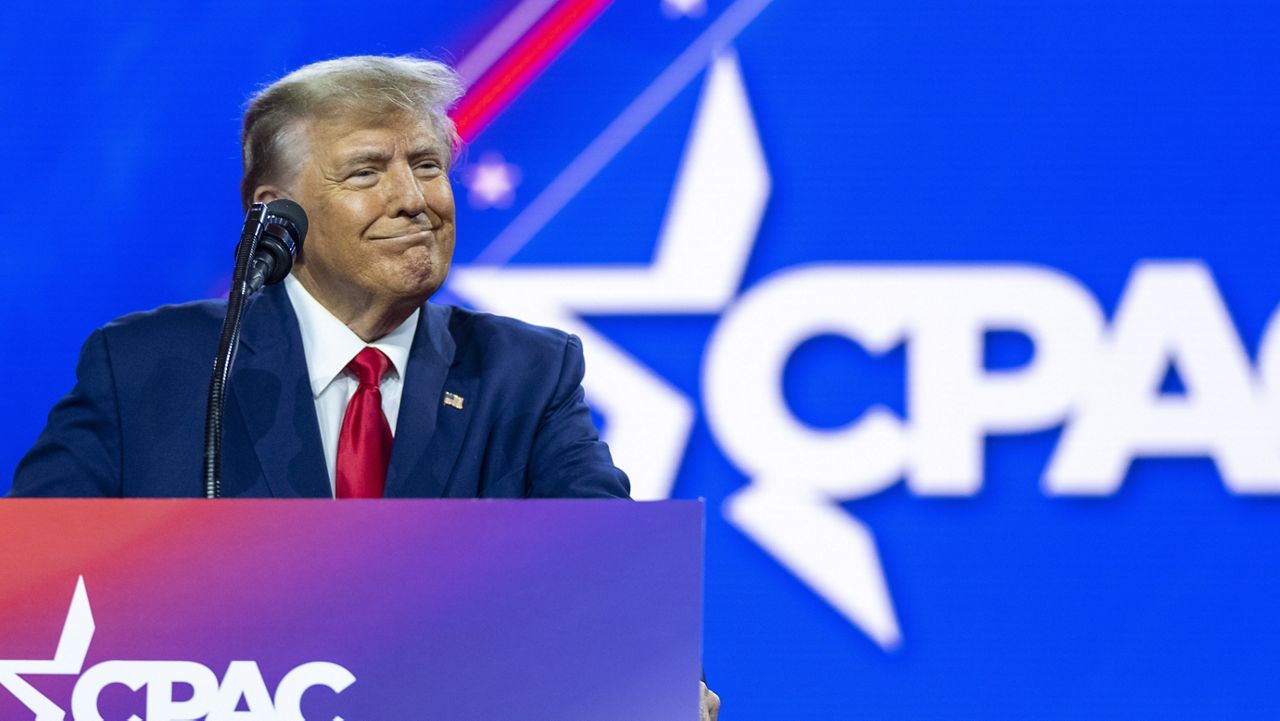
[{"x": 453, "y": 400}]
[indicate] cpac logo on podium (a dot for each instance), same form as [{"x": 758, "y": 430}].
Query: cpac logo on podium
[{"x": 241, "y": 695}]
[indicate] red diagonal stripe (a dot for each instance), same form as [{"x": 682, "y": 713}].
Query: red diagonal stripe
[{"x": 511, "y": 75}]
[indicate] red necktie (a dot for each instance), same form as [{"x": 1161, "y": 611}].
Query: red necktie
[{"x": 364, "y": 446}]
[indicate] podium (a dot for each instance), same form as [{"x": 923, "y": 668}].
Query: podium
[{"x": 392, "y": 610}]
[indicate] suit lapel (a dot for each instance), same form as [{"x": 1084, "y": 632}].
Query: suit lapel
[
  {"x": 273, "y": 393},
  {"x": 429, "y": 433}
]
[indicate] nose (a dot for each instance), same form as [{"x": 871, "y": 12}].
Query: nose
[{"x": 405, "y": 196}]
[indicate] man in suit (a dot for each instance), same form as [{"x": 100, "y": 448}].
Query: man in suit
[
  {"x": 478, "y": 405},
  {"x": 348, "y": 383}
]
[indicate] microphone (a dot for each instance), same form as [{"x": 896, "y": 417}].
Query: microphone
[
  {"x": 271, "y": 235},
  {"x": 284, "y": 227}
]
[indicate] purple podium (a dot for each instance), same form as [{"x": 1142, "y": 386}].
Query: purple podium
[{"x": 355, "y": 611}]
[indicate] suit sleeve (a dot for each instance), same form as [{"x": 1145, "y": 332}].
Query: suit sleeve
[
  {"x": 569, "y": 460},
  {"x": 78, "y": 454}
]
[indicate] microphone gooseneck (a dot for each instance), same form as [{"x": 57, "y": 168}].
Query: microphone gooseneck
[{"x": 271, "y": 236}]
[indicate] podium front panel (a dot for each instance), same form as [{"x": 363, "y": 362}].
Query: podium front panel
[{"x": 256, "y": 610}]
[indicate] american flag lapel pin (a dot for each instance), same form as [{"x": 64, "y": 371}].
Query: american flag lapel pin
[{"x": 453, "y": 400}]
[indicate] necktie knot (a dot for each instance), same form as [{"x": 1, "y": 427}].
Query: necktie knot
[{"x": 369, "y": 366}]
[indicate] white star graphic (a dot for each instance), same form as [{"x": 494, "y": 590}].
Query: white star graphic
[
  {"x": 491, "y": 182},
  {"x": 684, "y": 8},
  {"x": 707, "y": 235},
  {"x": 710, "y": 227},
  {"x": 68, "y": 659}
]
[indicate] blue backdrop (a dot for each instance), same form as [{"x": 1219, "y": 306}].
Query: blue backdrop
[{"x": 955, "y": 313}]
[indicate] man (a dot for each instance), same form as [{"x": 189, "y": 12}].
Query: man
[
  {"x": 479, "y": 406},
  {"x": 347, "y": 353}
]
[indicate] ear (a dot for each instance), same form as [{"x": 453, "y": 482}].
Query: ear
[{"x": 268, "y": 193}]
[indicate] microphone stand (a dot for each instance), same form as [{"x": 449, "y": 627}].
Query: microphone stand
[{"x": 228, "y": 344}]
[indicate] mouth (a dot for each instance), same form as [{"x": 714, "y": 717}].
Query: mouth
[{"x": 410, "y": 238}]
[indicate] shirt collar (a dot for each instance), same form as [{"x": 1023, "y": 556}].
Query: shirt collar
[{"x": 330, "y": 345}]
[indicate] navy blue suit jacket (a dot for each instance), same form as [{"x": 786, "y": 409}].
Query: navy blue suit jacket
[{"x": 134, "y": 423}]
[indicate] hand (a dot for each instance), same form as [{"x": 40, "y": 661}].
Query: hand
[{"x": 710, "y": 704}]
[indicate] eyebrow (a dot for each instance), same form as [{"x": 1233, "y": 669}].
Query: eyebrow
[
  {"x": 378, "y": 157},
  {"x": 426, "y": 151},
  {"x": 363, "y": 157}
]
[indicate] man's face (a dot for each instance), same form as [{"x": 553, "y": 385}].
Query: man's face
[{"x": 380, "y": 211}]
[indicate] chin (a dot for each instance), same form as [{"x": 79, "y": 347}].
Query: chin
[
  {"x": 418, "y": 287},
  {"x": 418, "y": 275}
]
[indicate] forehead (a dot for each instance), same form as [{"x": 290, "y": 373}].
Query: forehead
[{"x": 331, "y": 139}]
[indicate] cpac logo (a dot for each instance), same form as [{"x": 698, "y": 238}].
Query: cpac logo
[
  {"x": 1100, "y": 381},
  {"x": 242, "y": 687}
]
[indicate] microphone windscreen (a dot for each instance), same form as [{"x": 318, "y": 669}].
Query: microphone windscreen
[{"x": 291, "y": 212}]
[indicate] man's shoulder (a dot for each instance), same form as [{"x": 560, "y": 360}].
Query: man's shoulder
[
  {"x": 181, "y": 323},
  {"x": 212, "y": 310},
  {"x": 496, "y": 332}
]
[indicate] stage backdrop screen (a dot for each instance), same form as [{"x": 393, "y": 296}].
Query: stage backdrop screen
[{"x": 959, "y": 315}]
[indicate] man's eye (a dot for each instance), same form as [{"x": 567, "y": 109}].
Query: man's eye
[{"x": 363, "y": 173}]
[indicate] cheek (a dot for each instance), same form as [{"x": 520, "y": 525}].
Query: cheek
[
  {"x": 335, "y": 234},
  {"x": 317, "y": 246},
  {"x": 346, "y": 212},
  {"x": 439, "y": 195}
]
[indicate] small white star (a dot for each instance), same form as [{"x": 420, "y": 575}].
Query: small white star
[
  {"x": 684, "y": 8},
  {"x": 491, "y": 182}
]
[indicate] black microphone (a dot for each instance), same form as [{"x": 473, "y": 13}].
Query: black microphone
[
  {"x": 284, "y": 228},
  {"x": 271, "y": 235}
]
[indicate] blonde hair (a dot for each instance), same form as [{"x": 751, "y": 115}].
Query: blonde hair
[{"x": 370, "y": 86}]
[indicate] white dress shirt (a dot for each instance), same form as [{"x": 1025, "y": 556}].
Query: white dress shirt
[{"x": 329, "y": 346}]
